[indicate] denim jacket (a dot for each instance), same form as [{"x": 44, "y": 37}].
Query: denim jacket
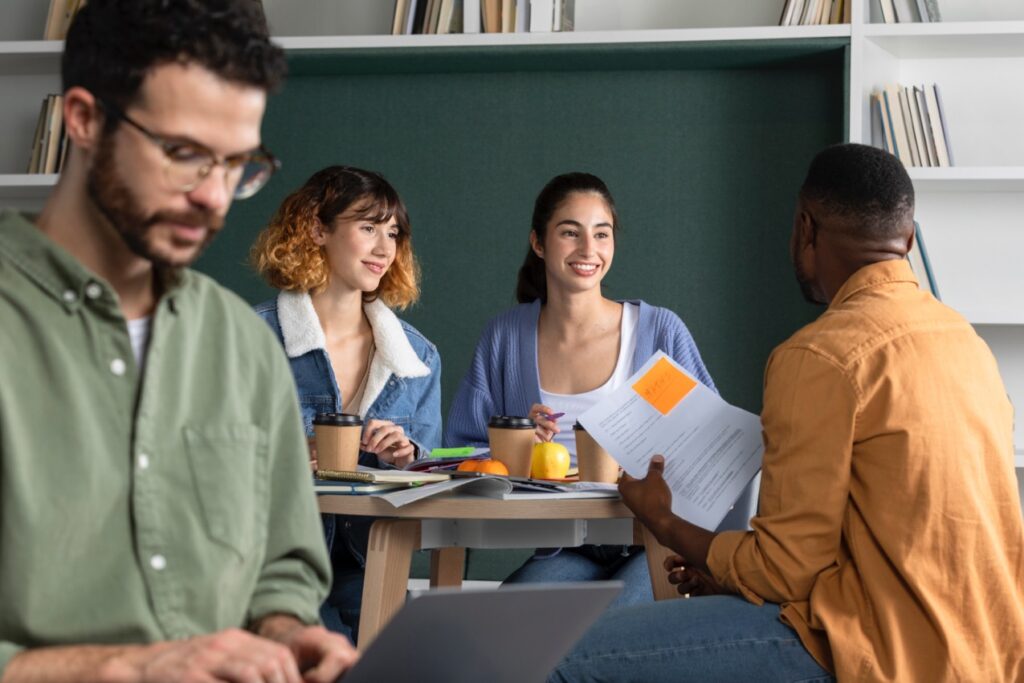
[{"x": 403, "y": 386}]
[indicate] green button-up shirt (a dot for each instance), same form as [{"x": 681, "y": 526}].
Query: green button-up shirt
[{"x": 137, "y": 507}]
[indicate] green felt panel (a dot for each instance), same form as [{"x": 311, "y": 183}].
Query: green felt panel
[{"x": 703, "y": 147}]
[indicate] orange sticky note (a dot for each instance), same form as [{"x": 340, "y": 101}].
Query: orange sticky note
[{"x": 664, "y": 386}]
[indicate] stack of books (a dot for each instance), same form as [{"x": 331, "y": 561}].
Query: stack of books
[
  {"x": 50, "y": 143},
  {"x": 815, "y": 12},
  {"x": 59, "y": 18},
  {"x": 911, "y": 124},
  {"x": 487, "y": 16},
  {"x": 904, "y": 11}
]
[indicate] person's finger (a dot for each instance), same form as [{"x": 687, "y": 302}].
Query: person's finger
[
  {"x": 372, "y": 428},
  {"x": 674, "y": 562},
  {"x": 656, "y": 466},
  {"x": 334, "y": 662},
  {"x": 390, "y": 441},
  {"x": 377, "y": 442}
]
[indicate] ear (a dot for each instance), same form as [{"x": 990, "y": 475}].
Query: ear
[
  {"x": 535, "y": 244},
  {"x": 318, "y": 233},
  {"x": 83, "y": 118}
]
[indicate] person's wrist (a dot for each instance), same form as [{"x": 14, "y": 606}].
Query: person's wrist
[{"x": 128, "y": 664}]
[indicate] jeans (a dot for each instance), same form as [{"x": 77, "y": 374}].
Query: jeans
[
  {"x": 340, "y": 610},
  {"x": 592, "y": 563},
  {"x": 714, "y": 638}
]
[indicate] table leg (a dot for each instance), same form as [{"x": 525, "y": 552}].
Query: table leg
[
  {"x": 392, "y": 542},
  {"x": 656, "y": 554},
  {"x": 446, "y": 567}
]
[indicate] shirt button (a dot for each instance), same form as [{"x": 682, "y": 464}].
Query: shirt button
[
  {"x": 158, "y": 562},
  {"x": 117, "y": 366},
  {"x": 70, "y": 295},
  {"x": 93, "y": 290},
  {"x": 143, "y": 461}
]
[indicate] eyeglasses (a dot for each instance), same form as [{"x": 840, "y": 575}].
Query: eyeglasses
[{"x": 188, "y": 164}]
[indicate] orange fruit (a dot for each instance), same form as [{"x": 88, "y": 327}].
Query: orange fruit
[
  {"x": 468, "y": 466},
  {"x": 490, "y": 466}
]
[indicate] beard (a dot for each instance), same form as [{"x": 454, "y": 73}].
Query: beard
[
  {"x": 116, "y": 201},
  {"x": 806, "y": 286}
]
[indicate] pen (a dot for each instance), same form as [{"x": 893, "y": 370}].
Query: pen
[{"x": 552, "y": 416}]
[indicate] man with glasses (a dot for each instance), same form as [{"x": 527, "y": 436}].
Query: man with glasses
[{"x": 157, "y": 521}]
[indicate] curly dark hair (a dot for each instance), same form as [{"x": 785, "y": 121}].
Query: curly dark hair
[
  {"x": 867, "y": 188},
  {"x": 112, "y": 44}
]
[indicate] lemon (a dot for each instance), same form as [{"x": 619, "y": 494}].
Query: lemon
[{"x": 549, "y": 460}]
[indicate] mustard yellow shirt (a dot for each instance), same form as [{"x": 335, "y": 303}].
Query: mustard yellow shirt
[{"x": 889, "y": 526}]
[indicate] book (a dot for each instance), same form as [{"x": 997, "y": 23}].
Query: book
[
  {"x": 419, "y": 18},
  {"x": 445, "y": 15},
  {"x": 906, "y": 11},
  {"x": 919, "y": 263},
  {"x": 929, "y": 137},
  {"x": 508, "y": 16},
  {"x": 882, "y": 118},
  {"x": 905, "y": 112},
  {"x": 932, "y": 7},
  {"x": 398, "y": 20},
  {"x": 888, "y": 11},
  {"x": 899, "y": 132},
  {"x": 942, "y": 119},
  {"x": 492, "y": 16},
  {"x": 471, "y": 16},
  {"x": 847, "y": 11},
  {"x": 810, "y": 7},
  {"x": 54, "y": 133},
  {"x": 59, "y": 17},
  {"x": 922, "y": 10},
  {"x": 541, "y": 15},
  {"x": 522, "y": 16},
  {"x": 837, "y": 12},
  {"x": 936, "y": 124},
  {"x": 366, "y": 474},
  {"x": 37, "y": 139},
  {"x": 503, "y": 488},
  {"x": 354, "y": 488},
  {"x": 918, "y": 126},
  {"x": 786, "y": 18},
  {"x": 826, "y": 11}
]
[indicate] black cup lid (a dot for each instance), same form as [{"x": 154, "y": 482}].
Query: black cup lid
[
  {"x": 338, "y": 420},
  {"x": 509, "y": 422},
  {"x": 578, "y": 427}
]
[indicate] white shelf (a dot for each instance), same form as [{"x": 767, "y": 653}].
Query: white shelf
[
  {"x": 308, "y": 44},
  {"x": 26, "y": 186},
  {"x": 968, "y": 179},
  {"x": 1005, "y": 319},
  {"x": 1018, "y": 458},
  {"x": 30, "y": 56},
  {"x": 953, "y": 40}
]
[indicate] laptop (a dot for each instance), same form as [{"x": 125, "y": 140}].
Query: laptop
[{"x": 514, "y": 634}]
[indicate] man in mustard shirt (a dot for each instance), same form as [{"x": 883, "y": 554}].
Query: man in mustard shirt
[
  {"x": 889, "y": 544},
  {"x": 157, "y": 518}
]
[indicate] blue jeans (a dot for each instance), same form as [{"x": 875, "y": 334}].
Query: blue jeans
[
  {"x": 708, "y": 639},
  {"x": 592, "y": 563}
]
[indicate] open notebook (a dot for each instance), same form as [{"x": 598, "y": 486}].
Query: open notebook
[{"x": 516, "y": 634}]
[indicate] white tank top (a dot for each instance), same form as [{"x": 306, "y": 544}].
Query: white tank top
[{"x": 573, "y": 405}]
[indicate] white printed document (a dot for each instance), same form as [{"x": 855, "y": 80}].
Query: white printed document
[{"x": 712, "y": 449}]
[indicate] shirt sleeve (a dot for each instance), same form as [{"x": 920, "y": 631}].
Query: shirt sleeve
[
  {"x": 296, "y": 570},
  {"x": 808, "y": 419},
  {"x": 684, "y": 351}
]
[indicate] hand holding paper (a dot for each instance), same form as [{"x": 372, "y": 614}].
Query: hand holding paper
[{"x": 712, "y": 449}]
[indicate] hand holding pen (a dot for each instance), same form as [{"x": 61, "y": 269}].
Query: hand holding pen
[{"x": 544, "y": 419}]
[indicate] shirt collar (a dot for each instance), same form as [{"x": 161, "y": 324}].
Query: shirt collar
[
  {"x": 891, "y": 271},
  {"x": 61, "y": 275}
]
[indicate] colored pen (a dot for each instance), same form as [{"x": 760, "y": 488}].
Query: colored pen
[{"x": 552, "y": 416}]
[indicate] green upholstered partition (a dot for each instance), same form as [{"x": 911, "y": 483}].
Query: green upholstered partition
[{"x": 703, "y": 146}]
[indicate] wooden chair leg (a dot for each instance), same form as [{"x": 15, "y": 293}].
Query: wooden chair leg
[
  {"x": 446, "y": 567},
  {"x": 392, "y": 542},
  {"x": 656, "y": 554}
]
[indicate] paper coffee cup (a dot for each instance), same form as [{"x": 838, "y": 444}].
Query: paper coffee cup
[
  {"x": 511, "y": 442},
  {"x": 337, "y": 441},
  {"x": 593, "y": 462}
]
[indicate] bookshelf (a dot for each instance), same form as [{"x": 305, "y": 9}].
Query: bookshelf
[{"x": 970, "y": 213}]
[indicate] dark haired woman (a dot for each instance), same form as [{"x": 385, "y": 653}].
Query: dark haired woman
[
  {"x": 340, "y": 251},
  {"x": 564, "y": 348}
]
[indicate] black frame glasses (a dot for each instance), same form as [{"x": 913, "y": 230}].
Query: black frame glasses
[{"x": 188, "y": 164}]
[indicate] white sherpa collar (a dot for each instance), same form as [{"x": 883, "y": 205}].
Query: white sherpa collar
[{"x": 302, "y": 333}]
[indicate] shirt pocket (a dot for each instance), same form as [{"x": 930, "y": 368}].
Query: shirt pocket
[{"x": 228, "y": 464}]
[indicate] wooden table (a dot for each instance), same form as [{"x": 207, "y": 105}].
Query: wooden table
[{"x": 449, "y": 523}]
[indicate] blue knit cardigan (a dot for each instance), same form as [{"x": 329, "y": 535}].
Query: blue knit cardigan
[{"x": 502, "y": 378}]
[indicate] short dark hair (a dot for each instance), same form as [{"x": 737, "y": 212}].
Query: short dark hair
[
  {"x": 112, "y": 44},
  {"x": 864, "y": 187},
  {"x": 532, "y": 283}
]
